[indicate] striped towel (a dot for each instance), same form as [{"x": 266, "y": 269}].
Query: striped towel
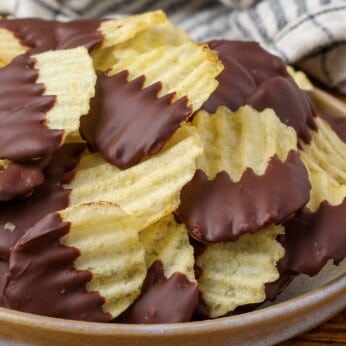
[{"x": 308, "y": 33}]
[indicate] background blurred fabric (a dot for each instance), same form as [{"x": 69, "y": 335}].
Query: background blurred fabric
[{"x": 308, "y": 33}]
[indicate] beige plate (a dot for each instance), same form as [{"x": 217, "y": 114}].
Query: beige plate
[{"x": 305, "y": 304}]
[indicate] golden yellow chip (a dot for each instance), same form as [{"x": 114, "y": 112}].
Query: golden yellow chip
[
  {"x": 119, "y": 30},
  {"x": 168, "y": 242},
  {"x": 235, "y": 273},
  {"x": 300, "y": 78},
  {"x": 10, "y": 47},
  {"x": 68, "y": 74},
  {"x": 107, "y": 239},
  {"x": 149, "y": 190},
  {"x": 234, "y": 141},
  {"x": 103, "y": 58},
  {"x": 156, "y": 36},
  {"x": 188, "y": 70},
  {"x": 325, "y": 160}
]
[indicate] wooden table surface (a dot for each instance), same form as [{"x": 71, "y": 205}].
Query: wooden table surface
[{"x": 332, "y": 332}]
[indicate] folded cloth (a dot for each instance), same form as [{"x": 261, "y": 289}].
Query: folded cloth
[{"x": 308, "y": 33}]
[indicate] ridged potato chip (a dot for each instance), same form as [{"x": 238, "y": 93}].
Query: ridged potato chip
[
  {"x": 156, "y": 36},
  {"x": 235, "y": 273},
  {"x": 168, "y": 241},
  {"x": 249, "y": 177},
  {"x": 69, "y": 75},
  {"x": 187, "y": 70},
  {"x": 117, "y": 31},
  {"x": 103, "y": 58},
  {"x": 325, "y": 160},
  {"x": 120, "y": 30},
  {"x": 10, "y": 47},
  {"x": 300, "y": 78},
  {"x": 107, "y": 239},
  {"x": 149, "y": 190},
  {"x": 237, "y": 140}
]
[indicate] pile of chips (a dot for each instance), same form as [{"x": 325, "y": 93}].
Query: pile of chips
[{"x": 147, "y": 178}]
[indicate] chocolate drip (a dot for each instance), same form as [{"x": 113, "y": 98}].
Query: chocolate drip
[
  {"x": 163, "y": 300},
  {"x": 23, "y": 108},
  {"x": 291, "y": 105},
  {"x": 126, "y": 122},
  {"x": 42, "y": 35},
  {"x": 220, "y": 210},
  {"x": 18, "y": 181},
  {"x": 311, "y": 239},
  {"x": 259, "y": 63},
  {"x": 17, "y": 216},
  {"x": 235, "y": 83},
  {"x": 42, "y": 278}
]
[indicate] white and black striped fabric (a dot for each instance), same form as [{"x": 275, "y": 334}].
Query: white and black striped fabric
[{"x": 308, "y": 33}]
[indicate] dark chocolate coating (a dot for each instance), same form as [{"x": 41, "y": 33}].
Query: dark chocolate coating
[
  {"x": 220, "y": 210},
  {"x": 42, "y": 278},
  {"x": 235, "y": 84},
  {"x": 255, "y": 77},
  {"x": 48, "y": 197},
  {"x": 202, "y": 311},
  {"x": 338, "y": 124},
  {"x": 291, "y": 105},
  {"x": 42, "y": 35},
  {"x": 18, "y": 181},
  {"x": 311, "y": 239},
  {"x": 23, "y": 108},
  {"x": 163, "y": 300},
  {"x": 3, "y": 273},
  {"x": 82, "y": 32},
  {"x": 126, "y": 123},
  {"x": 273, "y": 289},
  {"x": 259, "y": 63}
]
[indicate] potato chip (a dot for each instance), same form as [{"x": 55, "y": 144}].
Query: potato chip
[
  {"x": 10, "y": 47},
  {"x": 300, "y": 78},
  {"x": 188, "y": 70},
  {"x": 103, "y": 58},
  {"x": 149, "y": 190},
  {"x": 235, "y": 273},
  {"x": 168, "y": 241},
  {"x": 156, "y": 36},
  {"x": 117, "y": 31},
  {"x": 107, "y": 239},
  {"x": 120, "y": 30},
  {"x": 69, "y": 75},
  {"x": 325, "y": 159},
  {"x": 246, "y": 138}
]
